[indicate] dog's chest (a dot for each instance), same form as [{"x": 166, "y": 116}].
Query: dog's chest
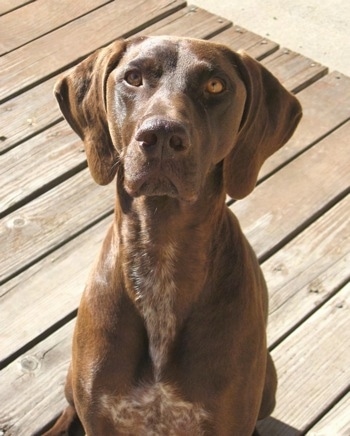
[
  {"x": 155, "y": 410},
  {"x": 155, "y": 291}
]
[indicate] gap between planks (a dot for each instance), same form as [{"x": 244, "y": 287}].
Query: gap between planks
[
  {"x": 312, "y": 365},
  {"x": 7, "y": 6},
  {"x": 336, "y": 421},
  {"x": 40, "y": 18},
  {"x": 295, "y": 196}
]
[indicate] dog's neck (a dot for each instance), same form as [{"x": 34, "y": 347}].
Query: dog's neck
[
  {"x": 161, "y": 234},
  {"x": 166, "y": 245}
]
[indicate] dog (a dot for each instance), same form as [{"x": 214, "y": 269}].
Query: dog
[{"x": 170, "y": 337}]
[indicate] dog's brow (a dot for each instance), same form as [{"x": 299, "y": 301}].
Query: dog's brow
[
  {"x": 201, "y": 65},
  {"x": 204, "y": 70},
  {"x": 144, "y": 62}
]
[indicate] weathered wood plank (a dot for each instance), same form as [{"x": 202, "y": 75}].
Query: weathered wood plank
[
  {"x": 238, "y": 38},
  {"x": 50, "y": 220},
  {"x": 48, "y": 291},
  {"x": 287, "y": 201},
  {"x": 31, "y": 391},
  {"x": 7, "y": 6},
  {"x": 38, "y": 18},
  {"x": 336, "y": 422},
  {"x": 53, "y": 52},
  {"x": 41, "y": 161},
  {"x": 308, "y": 270},
  {"x": 191, "y": 22},
  {"x": 326, "y": 106},
  {"x": 295, "y": 71},
  {"x": 27, "y": 114},
  {"x": 312, "y": 366}
]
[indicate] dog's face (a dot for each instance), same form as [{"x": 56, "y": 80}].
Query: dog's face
[
  {"x": 167, "y": 110},
  {"x": 174, "y": 109}
]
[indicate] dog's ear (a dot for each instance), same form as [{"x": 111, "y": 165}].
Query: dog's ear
[
  {"x": 81, "y": 95},
  {"x": 270, "y": 117}
]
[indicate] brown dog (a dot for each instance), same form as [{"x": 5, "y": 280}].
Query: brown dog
[{"x": 170, "y": 337}]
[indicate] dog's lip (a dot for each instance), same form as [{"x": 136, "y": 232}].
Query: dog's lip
[
  {"x": 159, "y": 185},
  {"x": 152, "y": 186}
]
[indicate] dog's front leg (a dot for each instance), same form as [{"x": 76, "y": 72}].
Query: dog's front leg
[{"x": 110, "y": 355}]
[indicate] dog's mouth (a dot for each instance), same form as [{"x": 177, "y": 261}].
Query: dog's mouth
[
  {"x": 158, "y": 183},
  {"x": 158, "y": 186}
]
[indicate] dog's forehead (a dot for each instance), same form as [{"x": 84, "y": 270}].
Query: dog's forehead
[{"x": 175, "y": 50}]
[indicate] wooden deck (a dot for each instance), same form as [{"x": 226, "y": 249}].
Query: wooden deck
[{"x": 53, "y": 217}]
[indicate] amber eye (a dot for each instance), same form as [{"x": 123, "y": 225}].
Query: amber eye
[
  {"x": 215, "y": 86},
  {"x": 133, "y": 78}
]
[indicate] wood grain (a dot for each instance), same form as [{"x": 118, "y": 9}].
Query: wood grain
[
  {"x": 325, "y": 107},
  {"x": 238, "y": 38},
  {"x": 41, "y": 162},
  {"x": 336, "y": 422},
  {"x": 9, "y": 5},
  {"x": 28, "y": 114},
  {"x": 31, "y": 391},
  {"x": 286, "y": 202},
  {"x": 307, "y": 271},
  {"x": 65, "y": 46},
  {"x": 48, "y": 291},
  {"x": 189, "y": 22},
  {"x": 312, "y": 366},
  {"x": 295, "y": 71},
  {"x": 46, "y": 159},
  {"x": 50, "y": 220},
  {"x": 38, "y": 18}
]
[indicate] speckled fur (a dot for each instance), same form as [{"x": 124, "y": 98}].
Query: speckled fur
[
  {"x": 155, "y": 410},
  {"x": 155, "y": 292}
]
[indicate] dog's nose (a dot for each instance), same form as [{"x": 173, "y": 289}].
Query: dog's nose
[{"x": 157, "y": 135}]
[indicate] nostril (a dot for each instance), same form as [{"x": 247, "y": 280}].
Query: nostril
[
  {"x": 176, "y": 143},
  {"x": 147, "y": 139}
]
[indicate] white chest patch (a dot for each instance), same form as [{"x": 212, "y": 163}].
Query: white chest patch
[
  {"x": 155, "y": 294},
  {"x": 154, "y": 411}
]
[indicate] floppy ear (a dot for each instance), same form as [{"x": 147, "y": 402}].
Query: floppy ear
[
  {"x": 81, "y": 95},
  {"x": 270, "y": 117}
]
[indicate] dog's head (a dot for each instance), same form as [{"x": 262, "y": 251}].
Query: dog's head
[{"x": 168, "y": 110}]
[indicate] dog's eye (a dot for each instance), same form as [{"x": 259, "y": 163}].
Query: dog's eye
[
  {"x": 133, "y": 78},
  {"x": 215, "y": 86}
]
